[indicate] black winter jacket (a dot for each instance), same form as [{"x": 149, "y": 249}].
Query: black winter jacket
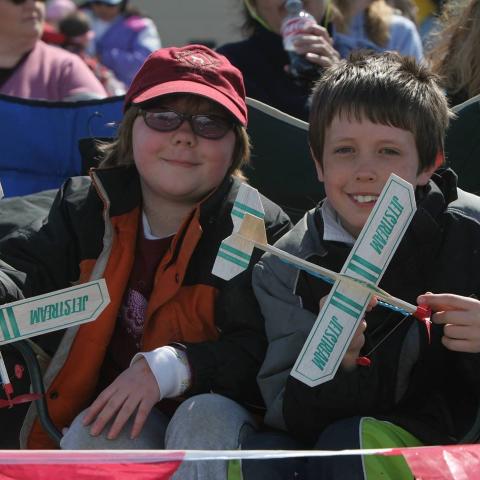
[{"x": 430, "y": 391}]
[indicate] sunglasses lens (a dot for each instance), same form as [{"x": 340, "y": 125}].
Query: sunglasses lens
[
  {"x": 210, "y": 126},
  {"x": 207, "y": 126},
  {"x": 163, "y": 121}
]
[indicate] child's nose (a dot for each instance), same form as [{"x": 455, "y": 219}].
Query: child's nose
[
  {"x": 365, "y": 176},
  {"x": 184, "y": 135},
  {"x": 365, "y": 167}
]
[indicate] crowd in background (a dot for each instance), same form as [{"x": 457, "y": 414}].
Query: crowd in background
[{"x": 113, "y": 38}]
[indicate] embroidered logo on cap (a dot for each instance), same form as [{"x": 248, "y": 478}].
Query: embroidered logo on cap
[{"x": 197, "y": 59}]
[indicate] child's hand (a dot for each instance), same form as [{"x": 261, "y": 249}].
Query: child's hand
[
  {"x": 134, "y": 391},
  {"x": 349, "y": 361},
  {"x": 316, "y": 44},
  {"x": 358, "y": 340},
  {"x": 460, "y": 317}
]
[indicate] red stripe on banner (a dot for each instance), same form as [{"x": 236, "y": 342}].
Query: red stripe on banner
[
  {"x": 452, "y": 462},
  {"x": 89, "y": 471}
]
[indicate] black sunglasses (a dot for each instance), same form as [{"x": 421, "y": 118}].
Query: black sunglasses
[
  {"x": 213, "y": 127},
  {"x": 21, "y": 2}
]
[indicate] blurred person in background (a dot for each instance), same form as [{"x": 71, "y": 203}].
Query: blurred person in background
[
  {"x": 29, "y": 68},
  {"x": 76, "y": 32},
  {"x": 343, "y": 26},
  {"x": 123, "y": 37},
  {"x": 428, "y": 13},
  {"x": 407, "y": 8},
  {"x": 262, "y": 59},
  {"x": 375, "y": 25},
  {"x": 55, "y": 11},
  {"x": 455, "y": 56}
]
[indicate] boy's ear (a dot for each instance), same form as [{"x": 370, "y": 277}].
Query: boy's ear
[
  {"x": 318, "y": 166},
  {"x": 424, "y": 176}
]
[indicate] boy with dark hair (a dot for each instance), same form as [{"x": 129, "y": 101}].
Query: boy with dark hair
[{"x": 371, "y": 116}]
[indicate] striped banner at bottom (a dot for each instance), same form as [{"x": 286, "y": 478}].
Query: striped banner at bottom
[{"x": 452, "y": 462}]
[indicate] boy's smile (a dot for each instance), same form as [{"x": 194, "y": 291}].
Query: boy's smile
[{"x": 358, "y": 158}]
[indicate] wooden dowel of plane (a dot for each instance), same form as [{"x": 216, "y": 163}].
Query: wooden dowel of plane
[{"x": 308, "y": 266}]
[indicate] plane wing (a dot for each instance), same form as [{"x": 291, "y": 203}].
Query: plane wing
[{"x": 345, "y": 306}]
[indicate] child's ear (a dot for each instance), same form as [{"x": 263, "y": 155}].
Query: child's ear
[
  {"x": 318, "y": 166},
  {"x": 424, "y": 176}
]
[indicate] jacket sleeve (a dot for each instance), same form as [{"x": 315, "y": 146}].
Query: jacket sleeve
[
  {"x": 42, "y": 256},
  {"x": 292, "y": 405},
  {"x": 126, "y": 62},
  {"x": 229, "y": 366},
  {"x": 78, "y": 82}
]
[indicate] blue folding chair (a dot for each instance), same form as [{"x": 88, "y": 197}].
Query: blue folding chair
[{"x": 40, "y": 139}]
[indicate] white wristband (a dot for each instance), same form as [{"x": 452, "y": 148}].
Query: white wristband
[{"x": 170, "y": 368}]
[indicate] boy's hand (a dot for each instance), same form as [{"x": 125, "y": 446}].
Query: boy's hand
[
  {"x": 460, "y": 317},
  {"x": 349, "y": 361},
  {"x": 316, "y": 44},
  {"x": 134, "y": 391}
]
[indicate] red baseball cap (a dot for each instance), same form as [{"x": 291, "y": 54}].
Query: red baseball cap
[{"x": 192, "y": 69}]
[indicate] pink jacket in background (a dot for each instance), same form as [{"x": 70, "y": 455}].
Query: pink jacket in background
[{"x": 51, "y": 73}]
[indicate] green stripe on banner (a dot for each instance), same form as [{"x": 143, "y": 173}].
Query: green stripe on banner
[
  {"x": 231, "y": 259},
  {"x": 367, "y": 264},
  {"x": 246, "y": 208},
  {"x": 235, "y": 251},
  {"x": 13, "y": 322},
  {"x": 3, "y": 326}
]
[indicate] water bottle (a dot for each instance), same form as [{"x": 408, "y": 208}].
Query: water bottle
[{"x": 294, "y": 23}]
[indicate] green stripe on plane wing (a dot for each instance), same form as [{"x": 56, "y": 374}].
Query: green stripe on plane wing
[
  {"x": 238, "y": 213},
  {"x": 233, "y": 260},
  {"x": 3, "y": 326},
  {"x": 13, "y": 322},
  {"x": 367, "y": 264},
  {"x": 344, "y": 303},
  {"x": 235, "y": 251},
  {"x": 362, "y": 272},
  {"x": 246, "y": 208}
]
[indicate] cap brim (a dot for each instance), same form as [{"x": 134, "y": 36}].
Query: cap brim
[{"x": 184, "y": 86}]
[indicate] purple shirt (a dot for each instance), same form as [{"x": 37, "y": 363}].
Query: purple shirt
[
  {"x": 51, "y": 73},
  {"x": 127, "y": 337}
]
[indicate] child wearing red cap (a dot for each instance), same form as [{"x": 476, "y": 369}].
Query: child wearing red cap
[{"x": 150, "y": 220}]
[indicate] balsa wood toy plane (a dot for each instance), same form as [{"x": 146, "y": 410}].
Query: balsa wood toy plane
[
  {"x": 47, "y": 313},
  {"x": 352, "y": 288}
]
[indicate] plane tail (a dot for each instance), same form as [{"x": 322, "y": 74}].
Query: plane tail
[{"x": 248, "y": 228}]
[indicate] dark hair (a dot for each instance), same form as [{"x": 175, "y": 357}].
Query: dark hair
[
  {"x": 75, "y": 24},
  {"x": 388, "y": 89}
]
